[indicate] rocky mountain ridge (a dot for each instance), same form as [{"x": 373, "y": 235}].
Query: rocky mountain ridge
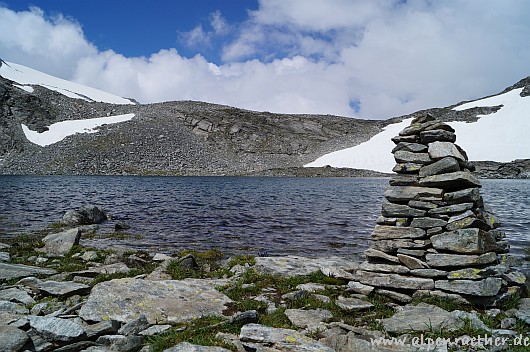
[{"x": 185, "y": 137}]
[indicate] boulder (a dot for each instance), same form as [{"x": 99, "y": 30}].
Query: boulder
[
  {"x": 59, "y": 244},
  {"x": 86, "y": 215},
  {"x": 168, "y": 301}
]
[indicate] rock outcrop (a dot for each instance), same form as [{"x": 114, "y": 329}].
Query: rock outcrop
[{"x": 435, "y": 233}]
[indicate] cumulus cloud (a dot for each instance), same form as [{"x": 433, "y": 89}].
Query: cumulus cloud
[{"x": 373, "y": 59}]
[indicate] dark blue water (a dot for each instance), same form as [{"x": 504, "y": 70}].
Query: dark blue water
[{"x": 278, "y": 216}]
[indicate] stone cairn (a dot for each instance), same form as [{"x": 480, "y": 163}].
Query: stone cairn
[{"x": 435, "y": 237}]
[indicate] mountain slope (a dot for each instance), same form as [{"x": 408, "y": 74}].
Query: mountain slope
[
  {"x": 499, "y": 133},
  {"x": 52, "y": 126}
]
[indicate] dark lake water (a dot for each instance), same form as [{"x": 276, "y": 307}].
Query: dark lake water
[{"x": 274, "y": 216}]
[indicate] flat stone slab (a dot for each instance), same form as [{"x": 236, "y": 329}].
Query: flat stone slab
[
  {"x": 15, "y": 271},
  {"x": 465, "y": 241},
  {"x": 483, "y": 288},
  {"x": 62, "y": 288},
  {"x": 311, "y": 318},
  {"x": 462, "y": 179},
  {"x": 382, "y": 232},
  {"x": 438, "y": 260},
  {"x": 406, "y": 193},
  {"x": 258, "y": 336},
  {"x": 188, "y": 347},
  {"x": 12, "y": 339},
  {"x": 351, "y": 303},
  {"x": 290, "y": 266},
  {"x": 56, "y": 329},
  {"x": 523, "y": 311},
  {"x": 58, "y": 244},
  {"x": 423, "y": 317},
  {"x": 168, "y": 301},
  {"x": 394, "y": 280},
  {"x": 16, "y": 295}
]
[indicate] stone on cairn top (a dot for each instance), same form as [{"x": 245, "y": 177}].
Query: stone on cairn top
[{"x": 434, "y": 235}]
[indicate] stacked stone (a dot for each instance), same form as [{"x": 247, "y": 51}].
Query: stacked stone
[{"x": 435, "y": 235}]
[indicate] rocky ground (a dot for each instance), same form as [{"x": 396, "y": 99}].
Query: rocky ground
[{"x": 58, "y": 296}]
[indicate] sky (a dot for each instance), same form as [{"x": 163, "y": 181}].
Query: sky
[{"x": 360, "y": 58}]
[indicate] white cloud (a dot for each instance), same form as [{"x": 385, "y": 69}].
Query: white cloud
[{"x": 385, "y": 58}]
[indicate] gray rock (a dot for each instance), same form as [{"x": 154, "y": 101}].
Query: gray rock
[
  {"x": 440, "y": 150},
  {"x": 13, "y": 308},
  {"x": 351, "y": 342},
  {"x": 396, "y": 296},
  {"x": 311, "y": 287},
  {"x": 489, "y": 218},
  {"x": 432, "y": 273},
  {"x": 523, "y": 311},
  {"x": 394, "y": 280},
  {"x": 411, "y": 262},
  {"x": 290, "y": 266},
  {"x": 441, "y": 166},
  {"x": 4, "y": 257},
  {"x": 311, "y": 319},
  {"x": 382, "y": 232},
  {"x": 168, "y": 301},
  {"x": 133, "y": 327},
  {"x": 514, "y": 277},
  {"x": 402, "y": 156},
  {"x": 416, "y": 127},
  {"x": 407, "y": 168},
  {"x": 391, "y": 246},
  {"x": 16, "y": 295},
  {"x": 441, "y": 136},
  {"x": 465, "y": 241},
  {"x": 438, "y": 260},
  {"x": 475, "y": 273},
  {"x": 89, "y": 255},
  {"x": 423, "y": 317},
  {"x": 14, "y": 271},
  {"x": 280, "y": 339},
  {"x": 470, "y": 318},
  {"x": 56, "y": 329},
  {"x": 426, "y": 222},
  {"x": 355, "y": 286},
  {"x": 59, "y": 244},
  {"x": 62, "y": 288},
  {"x": 351, "y": 303},
  {"x": 458, "y": 179},
  {"x": 412, "y": 252},
  {"x": 410, "y": 147},
  {"x": 406, "y": 193},
  {"x": 160, "y": 257},
  {"x": 400, "y": 210},
  {"x": 105, "y": 327},
  {"x": 374, "y": 253},
  {"x": 434, "y": 231},
  {"x": 155, "y": 330},
  {"x": 422, "y": 204},
  {"x": 86, "y": 215},
  {"x": 403, "y": 180},
  {"x": 440, "y": 294},
  {"x": 484, "y": 288},
  {"x": 188, "y": 347},
  {"x": 463, "y": 196},
  {"x": 451, "y": 209},
  {"x": 508, "y": 323},
  {"x": 246, "y": 317},
  {"x": 12, "y": 339},
  {"x": 121, "y": 343},
  {"x": 384, "y": 268}
]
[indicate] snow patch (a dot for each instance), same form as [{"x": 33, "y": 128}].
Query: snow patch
[
  {"x": 60, "y": 130},
  {"x": 25, "y": 75},
  {"x": 28, "y": 89},
  {"x": 501, "y": 136}
]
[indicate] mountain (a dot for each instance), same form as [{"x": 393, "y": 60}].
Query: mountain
[{"x": 52, "y": 126}]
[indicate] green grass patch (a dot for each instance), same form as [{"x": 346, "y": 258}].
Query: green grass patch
[{"x": 446, "y": 303}]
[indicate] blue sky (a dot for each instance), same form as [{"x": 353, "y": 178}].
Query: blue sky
[{"x": 359, "y": 58}]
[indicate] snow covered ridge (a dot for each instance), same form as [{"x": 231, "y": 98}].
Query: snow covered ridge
[
  {"x": 501, "y": 136},
  {"x": 60, "y": 130},
  {"x": 26, "y": 76}
]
